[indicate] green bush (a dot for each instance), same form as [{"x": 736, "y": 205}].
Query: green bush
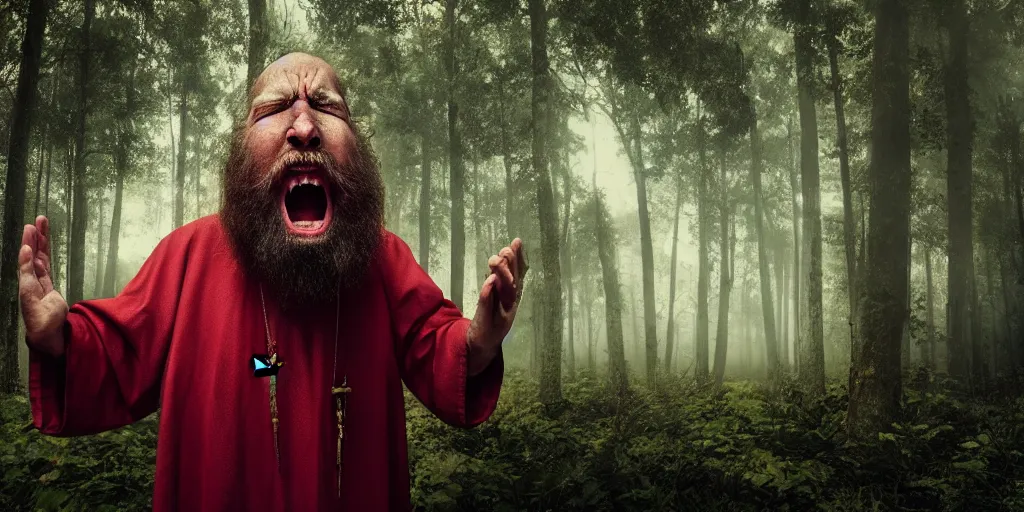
[{"x": 676, "y": 448}]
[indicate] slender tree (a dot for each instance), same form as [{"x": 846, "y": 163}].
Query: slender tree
[
  {"x": 876, "y": 383},
  {"x": 14, "y": 190},
  {"x": 550, "y": 365},
  {"x": 80, "y": 212}
]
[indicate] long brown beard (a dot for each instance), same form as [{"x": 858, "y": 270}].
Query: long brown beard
[{"x": 303, "y": 273}]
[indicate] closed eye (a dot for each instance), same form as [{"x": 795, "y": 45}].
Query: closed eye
[{"x": 269, "y": 109}]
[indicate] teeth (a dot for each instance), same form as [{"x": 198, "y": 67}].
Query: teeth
[
  {"x": 304, "y": 180},
  {"x": 308, "y": 224}
]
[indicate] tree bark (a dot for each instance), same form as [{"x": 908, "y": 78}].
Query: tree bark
[
  {"x": 425, "y": 202},
  {"x": 258, "y": 37},
  {"x": 646, "y": 256},
  {"x": 725, "y": 275},
  {"x": 771, "y": 345},
  {"x": 79, "y": 217},
  {"x": 110, "y": 276},
  {"x": 929, "y": 344},
  {"x": 876, "y": 389},
  {"x": 849, "y": 227},
  {"x": 612, "y": 296},
  {"x": 456, "y": 174},
  {"x": 670, "y": 330},
  {"x": 179, "y": 171},
  {"x": 567, "y": 258},
  {"x": 797, "y": 246},
  {"x": 121, "y": 163},
  {"x": 22, "y": 114},
  {"x": 701, "y": 350},
  {"x": 98, "y": 282},
  {"x": 811, "y": 354},
  {"x": 959, "y": 131},
  {"x": 551, "y": 374},
  {"x": 905, "y": 338}
]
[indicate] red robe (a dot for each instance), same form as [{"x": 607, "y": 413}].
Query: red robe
[{"x": 180, "y": 338}]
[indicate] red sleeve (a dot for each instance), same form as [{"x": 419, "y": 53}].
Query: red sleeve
[
  {"x": 115, "y": 349},
  {"x": 430, "y": 343}
]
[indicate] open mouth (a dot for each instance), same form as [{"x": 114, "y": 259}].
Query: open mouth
[{"x": 305, "y": 202}]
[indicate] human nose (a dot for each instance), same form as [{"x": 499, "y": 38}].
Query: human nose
[{"x": 303, "y": 133}]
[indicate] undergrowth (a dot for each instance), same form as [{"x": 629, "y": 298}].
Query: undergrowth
[{"x": 680, "y": 447}]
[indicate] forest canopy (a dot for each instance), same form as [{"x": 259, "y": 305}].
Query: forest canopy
[{"x": 824, "y": 198}]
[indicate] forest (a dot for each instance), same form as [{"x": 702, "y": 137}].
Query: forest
[{"x": 776, "y": 247}]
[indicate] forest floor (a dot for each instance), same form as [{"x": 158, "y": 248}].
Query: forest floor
[{"x": 678, "y": 448}]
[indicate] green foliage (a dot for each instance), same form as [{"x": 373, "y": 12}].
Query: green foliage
[
  {"x": 109, "y": 471},
  {"x": 678, "y": 448}
]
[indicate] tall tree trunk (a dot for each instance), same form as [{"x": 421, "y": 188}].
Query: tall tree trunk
[
  {"x": 551, "y": 370},
  {"x": 586, "y": 299},
  {"x": 23, "y": 111},
  {"x": 905, "y": 338},
  {"x": 725, "y": 275},
  {"x": 79, "y": 217},
  {"x": 98, "y": 282},
  {"x": 480, "y": 261},
  {"x": 110, "y": 276},
  {"x": 778, "y": 264},
  {"x": 39, "y": 174},
  {"x": 179, "y": 172},
  {"x": 567, "y": 259},
  {"x": 425, "y": 202},
  {"x": 701, "y": 350},
  {"x": 69, "y": 199},
  {"x": 771, "y": 345},
  {"x": 258, "y": 36},
  {"x": 994, "y": 341},
  {"x": 612, "y": 295},
  {"x": 811, "y": 355},
  {"x": 786, "y": 317},
  {"x": 125, "y": 137},
  {"x": 646, "y": 255},
  {"x": 670, "y": 330},
  {"x": 980, "y": 370},
  {"x": 456, "y": 174},
  {"x": 1009, "y": 313},
  {"x": 797, "y": 246},
  {"x": 849, "y": 227},
  {"x": 49, "y": 170},
  {"x": 929, "y": 343},
  {"x": 960, "y": 134},
  {"x": 876, "y": 391}
]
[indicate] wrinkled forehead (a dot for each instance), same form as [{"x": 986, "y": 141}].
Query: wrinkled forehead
[{"x": 295, "y": 74}]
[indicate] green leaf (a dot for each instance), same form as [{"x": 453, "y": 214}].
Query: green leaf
[
  {"x": 969, "y": 445},
  {"x": 984, "y": 439}
]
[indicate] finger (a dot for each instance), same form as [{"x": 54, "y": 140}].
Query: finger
[
  {"x": 28, "y": 284},
  {"x": 43, "y": 228},
  {"x": 509, "y": 256},
  {"x": 517, "y": 248},
  {"x": 485, "y": 304},
  {"x": 505, "y": 280},
  {"x": 28, "y": 237},
  {"x": 494, "y": 261}
]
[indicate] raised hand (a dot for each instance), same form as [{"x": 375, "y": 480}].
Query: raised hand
[
  {"x": 42, "y": 307},
  {"x": 498, "y": 304}
]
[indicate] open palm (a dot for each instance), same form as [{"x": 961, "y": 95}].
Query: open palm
[{"x": 42, "y": 307}]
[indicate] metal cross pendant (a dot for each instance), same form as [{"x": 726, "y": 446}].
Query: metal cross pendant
[{"x": 340, "y": 395}]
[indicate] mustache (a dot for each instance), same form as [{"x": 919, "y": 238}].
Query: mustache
[{"x": 313, "y": 158}]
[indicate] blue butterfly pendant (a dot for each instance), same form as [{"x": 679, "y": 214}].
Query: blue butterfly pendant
[{"x": 264, "y": 366}]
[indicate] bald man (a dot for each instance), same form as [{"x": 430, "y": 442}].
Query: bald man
[{"x": 275, "y": 335}]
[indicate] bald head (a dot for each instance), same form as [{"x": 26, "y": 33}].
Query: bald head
[{"x": 297, "y": 74}]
